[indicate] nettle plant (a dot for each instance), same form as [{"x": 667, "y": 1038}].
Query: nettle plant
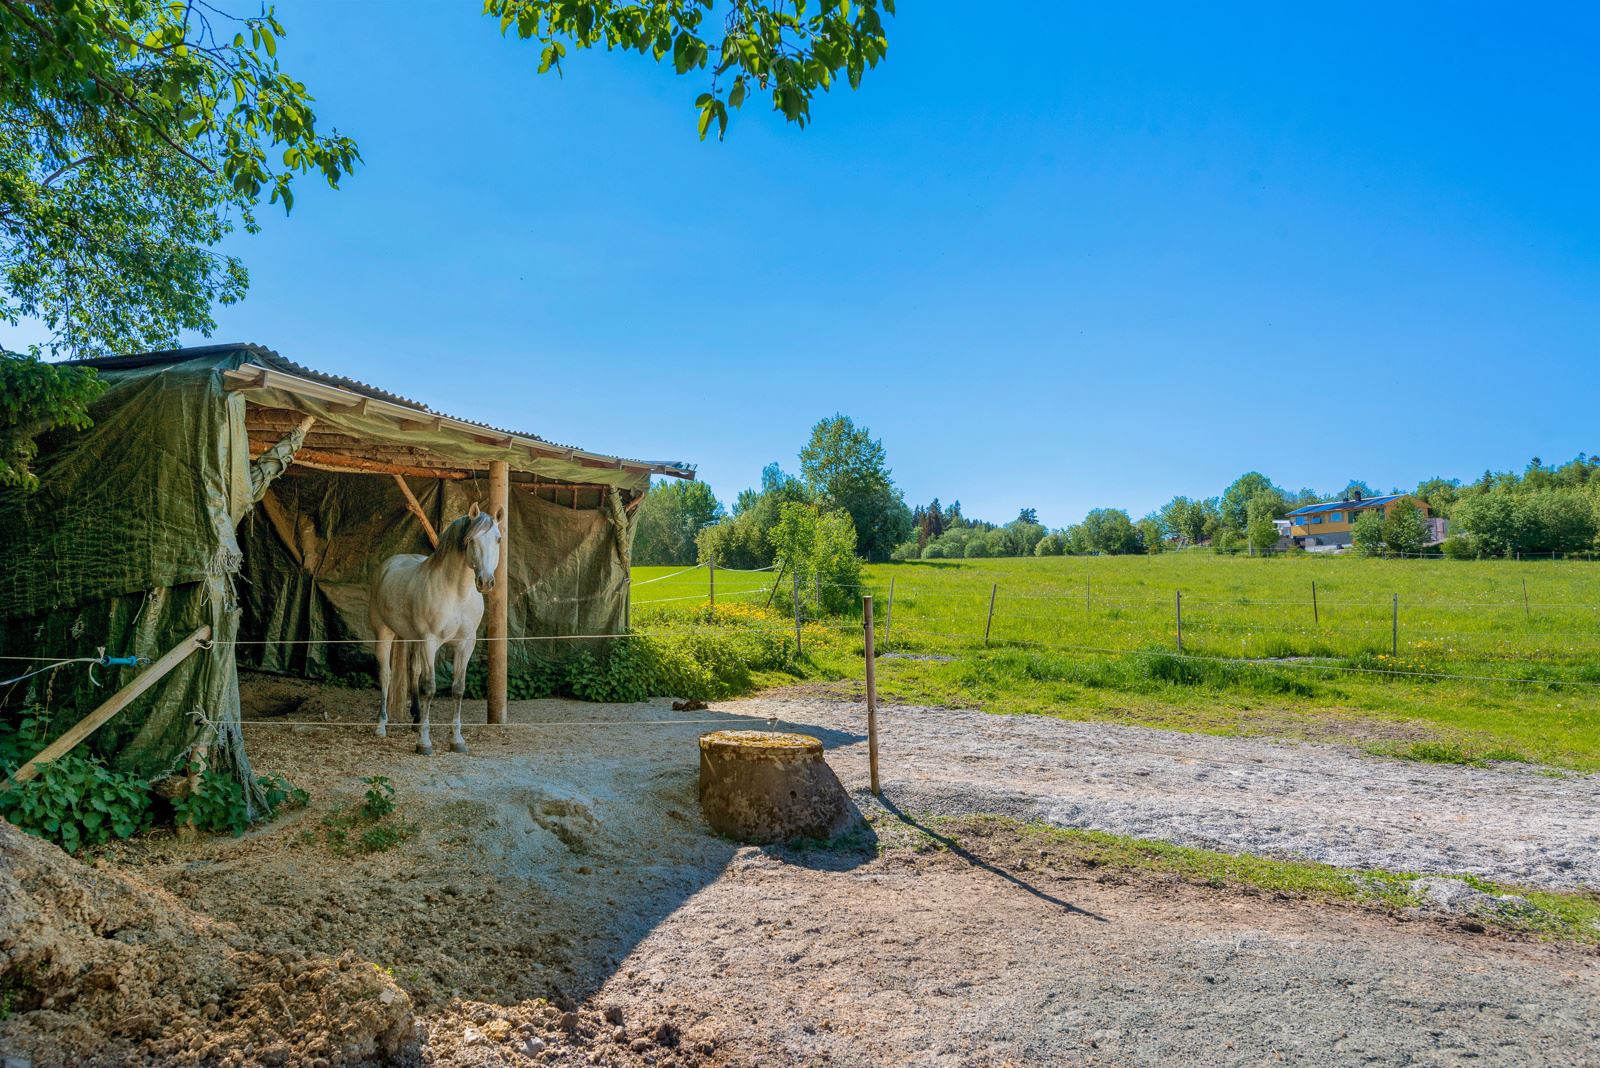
[
  {"x": 77, "y": 801},
  {"x": 217, "y": 803}
]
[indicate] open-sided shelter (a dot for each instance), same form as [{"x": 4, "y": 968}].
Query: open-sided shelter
[{"x": 227, "y": 487}]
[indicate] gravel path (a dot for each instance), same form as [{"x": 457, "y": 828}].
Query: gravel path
[
  {"x": 936, "y": 963},
  {"x": 1509, "y": 822}
]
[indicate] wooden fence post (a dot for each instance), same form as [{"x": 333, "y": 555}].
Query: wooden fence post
[
  {"x": 711, "y": 579},
  {"x": 1180, "y": 621},
  {"x": 1525, "y": 611},
  {"x": 118, "y": 701},
  {"x": 987, "y": 623},
  {"x": 1394, "y": 635},
  {"x": 1087, "y": 589},
  {"x": 1316, "y": 617},
  {"x": 797, "y": 648},
  {"x": 888, "y": 617},
  {"x": 872, "y": 694},
  {"x": 499, "y": 600}
]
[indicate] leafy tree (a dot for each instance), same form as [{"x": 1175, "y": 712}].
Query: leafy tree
[
  {"x": 1261, "y": 533},
  {"x": 1560, "y": 521},
  {"x": 1246, "y": 488},
  {"x": 1439, "y": 493},
  {"x": 906, "y": 550},
  {"x": 1366, "y": 533},
  {"x": 845, "y": 466},
  {"x": 1018, "y": 537},
  {"x": 671, "y": 517},
  {"x": 930, "y": 523},
  {"x": 1303, "y": 496},
  {"x": 743, "y": 540},
  {"x": 134, "y": 134},
  {"x": 1184, "y": 520},
  {"x": 1053, "y": 544},
  {"x": 818, "y": 546},
  {"x": 35, "y": 397},
  {"x": 786, "y": 50},
  {"x": 1109, "y": 530},
  {"x": 1496, "y": 520},
  {"x": 1405, "y": 528},
  {"x": 1353, "y": 487},
  {"x": 1028, "y": 515},
  {"x": 1150, "y": 534}
]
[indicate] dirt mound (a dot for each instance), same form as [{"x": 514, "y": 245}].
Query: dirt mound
[
  {"x": 97, "y": 968},
  {"x": 470, "y": 1034}
]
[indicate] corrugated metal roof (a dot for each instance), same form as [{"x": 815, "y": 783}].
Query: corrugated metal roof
[
  {"x": 1347, "y": 503},
  {"x": 269, "y": 357}
]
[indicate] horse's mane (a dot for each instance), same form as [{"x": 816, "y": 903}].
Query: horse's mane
[{"x": 454, "y": 538}]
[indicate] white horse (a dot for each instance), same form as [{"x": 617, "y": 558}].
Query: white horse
[{"x": 431, "y": 601}]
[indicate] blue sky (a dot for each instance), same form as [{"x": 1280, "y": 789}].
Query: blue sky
[{"x": 1085, "y": 255}]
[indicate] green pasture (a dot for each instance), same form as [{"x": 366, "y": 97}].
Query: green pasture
[{"x": 1096, "y": 638}]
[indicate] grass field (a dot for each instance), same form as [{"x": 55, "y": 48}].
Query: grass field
[{"x": 1096, "y": 638}]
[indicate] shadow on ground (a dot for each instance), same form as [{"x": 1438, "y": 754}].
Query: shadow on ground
[{"x": 530, "y": 867}]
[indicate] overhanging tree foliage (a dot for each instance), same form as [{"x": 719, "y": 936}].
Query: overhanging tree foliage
[
  {"x": 134, "y": 136},
  {"x": 788, "y": 50}
]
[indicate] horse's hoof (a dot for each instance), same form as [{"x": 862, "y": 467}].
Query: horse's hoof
[
  {"x": 425, "y": 750},
  {"x": 382, "y": 732},
  {"x": 458, "y": 747}
]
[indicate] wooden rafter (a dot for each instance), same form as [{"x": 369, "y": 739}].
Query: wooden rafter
[{"x": 415, "y": 508}]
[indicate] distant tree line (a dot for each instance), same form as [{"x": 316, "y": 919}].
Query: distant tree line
[{"x": 1540, "y": 510}]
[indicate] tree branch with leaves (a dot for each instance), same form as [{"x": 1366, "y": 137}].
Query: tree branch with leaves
[{"x": 788, "y": 50}]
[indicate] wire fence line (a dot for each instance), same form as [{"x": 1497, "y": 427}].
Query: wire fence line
[{"x": 1260, "y": 662}]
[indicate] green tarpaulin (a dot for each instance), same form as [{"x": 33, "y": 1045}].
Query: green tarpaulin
[{"x": 147, "y": 525}]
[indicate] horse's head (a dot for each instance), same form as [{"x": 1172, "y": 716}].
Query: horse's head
[{"x": 480, "y": 541}]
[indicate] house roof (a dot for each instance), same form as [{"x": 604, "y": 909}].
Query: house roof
[
  {"x": 1347, "y": 503},
  {"x": 262, "y": 356}
]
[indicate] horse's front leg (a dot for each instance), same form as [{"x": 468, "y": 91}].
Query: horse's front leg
[
  {"x": 385, "y": 676},
  {"x": 429, "y": 647},
  {"x": 458, "y": 687}
]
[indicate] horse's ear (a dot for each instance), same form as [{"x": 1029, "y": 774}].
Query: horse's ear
[
  {"x": 500, "y": 518},
  {"x": 472, "y": 511}
]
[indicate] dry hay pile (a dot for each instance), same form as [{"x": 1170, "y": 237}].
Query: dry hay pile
[{"x": 96, "y": 968}]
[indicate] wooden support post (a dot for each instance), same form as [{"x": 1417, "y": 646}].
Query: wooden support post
[
  {"x": 888, "y": 617},
  {"x": 797, "y": 647},
  {"x": 119, "y": 700},
  {"x": 872, "y": 694},
  {"x": 499, "y": 599},
  {"x": 415, "y": 508},
  {"x": 711, "y": 579},
  {"x": 1394, "y": 635},
  {"x": 1315, "y": 617},
  {"x": 1525, "y": 611},
  {"x": 1180, "y": 621},
  {"x": 1088, "y": 589},
  {"x": 987, "y": 623}
]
